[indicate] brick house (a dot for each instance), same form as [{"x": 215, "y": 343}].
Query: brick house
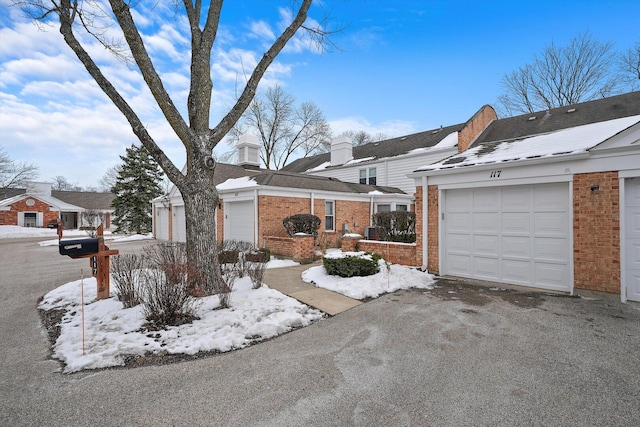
[
  {"x": 549, "y": 200},
  {"x": 38, "y": 205}
]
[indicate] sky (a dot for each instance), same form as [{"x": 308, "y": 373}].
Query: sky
[{"x": 400, "y": 67}]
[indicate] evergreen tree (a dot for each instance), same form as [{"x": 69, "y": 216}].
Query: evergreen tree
[{"x": 137, "y": 183}]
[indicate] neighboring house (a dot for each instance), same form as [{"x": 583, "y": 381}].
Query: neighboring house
[
  {"x": 254, "y": 202},
  {"x": 38, "y": 206},
  {"x": 388, "y": 162},
  {"x": 549, "y": 200}
]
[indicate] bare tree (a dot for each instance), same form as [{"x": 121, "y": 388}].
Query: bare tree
[
  {"x": 629, "y": 65},
  {"x": 198, "y": 137},
  {"x": 284, "y": 129},
  {"x": 560, "y": 76},
  {"x": 109, "y": 178},
  {"x": 14, "y": 174},
  {"x": 63, "y": 184}
]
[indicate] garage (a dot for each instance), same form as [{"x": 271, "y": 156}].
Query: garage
[
  {"x": 517, "y": 234},
  {"x": 632, "y": 238},
  {"x": 239, "y": 222},
  {"x": 161, "y": 231}
]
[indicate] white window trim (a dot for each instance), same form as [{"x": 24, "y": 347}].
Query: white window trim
[{"x": 332, "y": 215}]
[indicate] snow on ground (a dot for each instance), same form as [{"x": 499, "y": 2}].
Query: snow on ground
[
  {"x": 387, "y": 280},
  {"x": 112, "y": 332},
  {"x": 15, "y": 232}
]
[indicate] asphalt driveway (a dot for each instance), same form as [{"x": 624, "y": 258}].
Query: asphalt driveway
[{"x": 458, "y": 355}]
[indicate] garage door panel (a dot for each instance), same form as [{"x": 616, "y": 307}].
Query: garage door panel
[
  {"x": 239, "y": 221},
  {"x": 551, "y": 249},
  {"x": 485, "y": 245},
  {"x": 459, "y": 265},
  {"x": 460, "y": 243},
  {"x": 515, "y": 223},
  {"x": 458, "y": 202},
  {"x": 550, "y": 224},
  {"x": 551, "y": 197},
  {"x": 548, "y": 275},
  {"x": 632, "y": 238},
  {"x": 486, "y": 200},
  {"x": 633, "y": 255},
  {"x": 486, "y": 268},
  {"x": 458, "y": 222},
  {"x": 515, "y": 200},
  {"x": 516, "y": 246},
  {"x": 485, "y": 222},
  {"x": 516, "y": 271}
]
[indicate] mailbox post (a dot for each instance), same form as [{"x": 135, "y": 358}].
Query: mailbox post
[{"x": 98, "y": 254}]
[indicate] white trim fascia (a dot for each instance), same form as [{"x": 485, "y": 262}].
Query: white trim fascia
[
  {"x": 623, "y": 232},
  {"x": 425, "y": 223},
  {"x": 304, "y": 193},
  {"x": 441, "y": 231},
  {"x": 571, "y": 254},
  {"x": 501, "y": 165},
  {"x": 630, "y": 173}
]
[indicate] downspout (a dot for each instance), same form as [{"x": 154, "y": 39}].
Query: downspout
[
  {"x": 313, "y": 202},
  {"x": 425, "y": 225},
  {"x": 256, "y": 223}
]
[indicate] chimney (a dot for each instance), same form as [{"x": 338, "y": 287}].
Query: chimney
[
  {"x": 475, "y": 126},
  {"x": 249, "y": 151},
  {"x": 39, "y": 188},
  {"x": 341, "y": 150}
]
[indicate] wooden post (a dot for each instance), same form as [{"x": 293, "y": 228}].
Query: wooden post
[{"x": 102, "y": 275}]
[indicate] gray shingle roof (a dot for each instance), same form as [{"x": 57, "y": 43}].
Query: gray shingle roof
[
  {"x": 85, "y": 199},
  {"x": 561, "y": 118},
  {"x": 382, "y": 149},
  {"x": 312, "y": 182}
]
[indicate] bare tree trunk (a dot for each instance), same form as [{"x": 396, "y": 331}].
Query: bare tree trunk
[{"x": 200, "y": 204}]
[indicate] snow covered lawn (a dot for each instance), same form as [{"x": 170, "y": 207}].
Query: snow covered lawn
[
  {"x": 112, "y": 333},
  {"x": 395, "y": 278}
]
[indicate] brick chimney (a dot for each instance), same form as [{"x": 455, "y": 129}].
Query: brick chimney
[
  {"x": 475, "y": 126},
  {"x": 341, "y": 150}
]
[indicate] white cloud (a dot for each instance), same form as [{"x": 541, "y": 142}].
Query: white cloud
[
  {"x": 390, "y": 128},
  {"x": 261, "y": 30}
]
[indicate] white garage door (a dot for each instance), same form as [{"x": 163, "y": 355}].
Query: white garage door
[
  {"x": 239, "y": 221},
  {"x": 178, "y": 223},
  {"x": 518, "y": 235},
  {"x": 632, "y": 238},
  {"x": 162, "y": 223}
]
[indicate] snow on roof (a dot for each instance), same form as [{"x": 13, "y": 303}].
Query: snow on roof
[
  {"x": 574, "y": 140},
  {"x": 375, "y": 193},
  {"x": 49, "y": 200},
  {"x": 355, "y": 161},
  {"x": 449, "y": 141},
  {"x": 320, "y": 167},
  {"x": 236, "y": 183}
]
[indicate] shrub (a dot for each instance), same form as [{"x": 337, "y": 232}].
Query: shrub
[
  {"x": 171, "y": 259},
  {"x": 352, "y": 265},
  {"x": 302, "y": 223},
  {"x": 165, "y": 303},
  {"x": 255, "y": 270},
  {"x": 397, "y": 226},
  {"x": 125, "y": 270}
]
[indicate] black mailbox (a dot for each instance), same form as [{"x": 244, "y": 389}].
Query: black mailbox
[{"x": 78, "y": 247}]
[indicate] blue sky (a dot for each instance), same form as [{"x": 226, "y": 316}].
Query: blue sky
[{"x": 403, "y": 67}]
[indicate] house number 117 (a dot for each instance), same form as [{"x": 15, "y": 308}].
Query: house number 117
[{"x": 495, "y": 174}]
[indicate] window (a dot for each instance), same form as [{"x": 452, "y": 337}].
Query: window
[
  {"x": 402, "y": 208},
  {"x": 372, "y": 176},
  {"x": 368, "y": 178},
  {"x": 329, "y": 216},
  {"x": 383, "y": 208}
]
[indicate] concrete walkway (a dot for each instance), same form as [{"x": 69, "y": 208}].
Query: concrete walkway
[{"x": 288, "y": 281}]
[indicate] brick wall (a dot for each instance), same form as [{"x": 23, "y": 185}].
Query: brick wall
[
  {"x": 432, "y": 229},
  {"x": 302, "y": 250},
  {"x": 596, "y": 232},
  {"x": 396, "y": 253},
  {"x": 272, "y": 210},
  {"x": 282, "y": 246},
  {"x": 11, "y": 217}
]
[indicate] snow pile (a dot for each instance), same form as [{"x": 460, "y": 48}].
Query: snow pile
[
  {"x": 237, "y": 183},
  {"x": 387, "y": 280},
  {"x": 112, "y": 332}
]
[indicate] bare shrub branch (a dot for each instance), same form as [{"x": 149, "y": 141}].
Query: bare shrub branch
[{"x": 125, "y": 272}]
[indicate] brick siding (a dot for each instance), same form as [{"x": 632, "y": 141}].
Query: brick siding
[
  {"x": 596, "y": 232},
  {"x": 10, "y": 217},
  {"x": 432, "y": 229},
  {"x": 396, "y": 253}
]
